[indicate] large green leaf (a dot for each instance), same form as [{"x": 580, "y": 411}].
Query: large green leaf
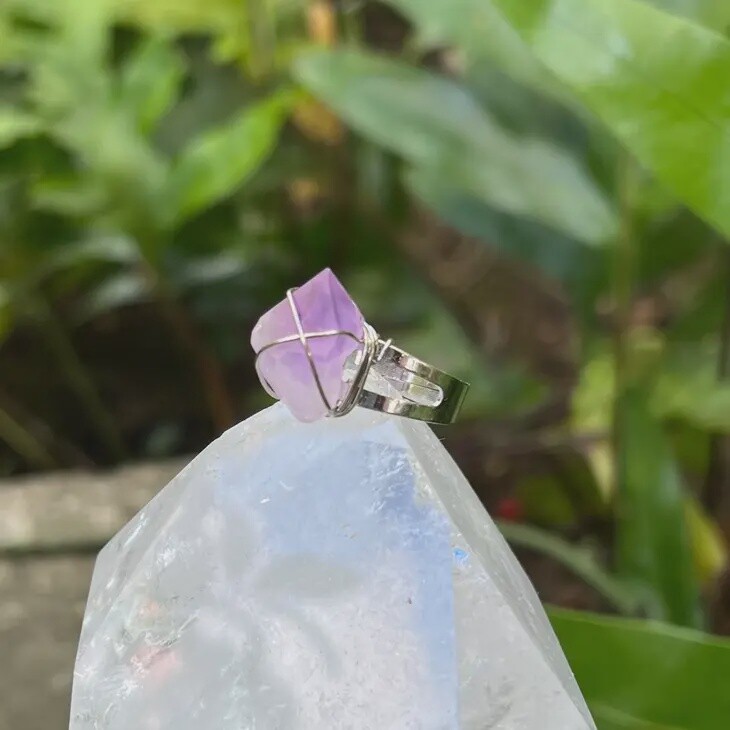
[
  {"x": 435, "y": 124},
  {"x": 640, "y": 675},
  {"x": 658, "y": 81},
  {"x": 504, "y": 48},
  {"x": 150, "y": 83},
  {"x": 228, "y": 21},
  {"x": 219, "y": 161},
  {"x": 15, "y": 125},
  {"x": 116, "y": 291},
  {"x": 578, "y": 559},
  {"x": 652, "y": 545}
]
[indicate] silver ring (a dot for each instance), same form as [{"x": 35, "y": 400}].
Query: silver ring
[{"x": 378, "y": 375}]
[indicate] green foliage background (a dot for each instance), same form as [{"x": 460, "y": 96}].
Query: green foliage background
[{"x": 182, "y": 163}]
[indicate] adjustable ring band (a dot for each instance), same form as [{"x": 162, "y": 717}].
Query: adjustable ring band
[{"x": 404, "y": 385}]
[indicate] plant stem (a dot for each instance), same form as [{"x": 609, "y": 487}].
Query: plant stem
[
  {"x": 50, "y": 549},
  {"x": 261, "y": 37},
  {"x": 24, "y": 443},
  {"x": 322, "y": 22},
  {"x": 65, "y": 453},
  {"x": 716, "y": 492},
  {"x": 78, "y": 378},
  {"x": 217, "y": 394},
  {"x": 623, "y": 290},
  {"x": 351, "y": 31},
  {"x": 577, "y": 560}
]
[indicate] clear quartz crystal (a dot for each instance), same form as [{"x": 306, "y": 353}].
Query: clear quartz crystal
[
  {"x": 387, "y": 379},
  {"x": 337, "y": 575}
]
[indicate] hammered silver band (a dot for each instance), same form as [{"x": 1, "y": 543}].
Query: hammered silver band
[{"x": 385, "y": 378}]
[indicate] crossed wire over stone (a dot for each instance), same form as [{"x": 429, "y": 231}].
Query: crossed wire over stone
[{"x": 370, "y": 346}]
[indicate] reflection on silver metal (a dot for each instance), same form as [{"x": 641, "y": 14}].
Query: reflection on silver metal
[{"x": 413, "y": 388}]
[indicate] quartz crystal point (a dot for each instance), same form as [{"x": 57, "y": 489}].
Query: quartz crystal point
[{"x": 338, "y": 575}]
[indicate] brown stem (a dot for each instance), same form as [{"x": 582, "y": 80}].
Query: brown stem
[
  {"x": 261, "y": 25},
  {"x": 716, "y": 492},
  {"x": 61, "y": 451},
  {"x": 622, "y": 282},
  {"x": 77, "y": 376},
  {"x": 24, "y": 442},
  {"x": 503, "y": 309},
  {"x": 217, "y": 394}
]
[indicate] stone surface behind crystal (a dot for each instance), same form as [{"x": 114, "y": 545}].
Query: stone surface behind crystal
[{"x": 335, "y": 575}]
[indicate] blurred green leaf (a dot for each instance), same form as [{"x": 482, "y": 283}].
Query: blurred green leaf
[
  {"x": 6, "y": 313},
  {"x": 119, "y": 290},
  {"x": 670, "y": 243},
  {"x": 259, "y": 36},
  {"x": 578, "y": 559},
  {"x": 660, "y": 83},
  {"x": 546, "y": 501},
  {"x": 85, "y": 26},
  {"x": 684, "y": 387},
  {"x": 504, "y": 48},
  {"x": 695, "y": 397},
  {"x": 525, "y": 110},
  {"x": 182, "y": 15},
  {"x": 15, "y": 125},
  {"x": 711, "y": 13},
  {"x": 109, "y": 249},
  {"x": 611, "y": 719},
  {"x": 591, "y": 413},
  {"x": 218, "y": 162},
  {"x": 708, "y": 545},
  {"x": 111, "y": 170},
  {"x": 208, "y": 270},
  {"x": 437, "y": 126},
  {"x": 642, "y": 675},
  {"x": 652, "y": 544},
  {"x": 150, "y": 82},
  {"x": 687, "y": 395},
  {"x": 129, "y": 172},
  {"x": 74, "y": 197},
  {"x": 69, "y": 57}
]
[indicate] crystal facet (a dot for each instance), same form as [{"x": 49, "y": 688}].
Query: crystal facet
[
  {"x": 323, "y": 304},
  {"x": 336, "y": 575}
]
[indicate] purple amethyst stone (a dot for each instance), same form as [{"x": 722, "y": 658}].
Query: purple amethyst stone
[{"x": 323, "y": 304}]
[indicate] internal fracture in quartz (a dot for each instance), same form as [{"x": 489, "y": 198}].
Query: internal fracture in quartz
[{"x": 333, "y": 575}]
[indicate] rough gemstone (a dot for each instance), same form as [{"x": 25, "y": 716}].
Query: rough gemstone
[
  {"x": 323, "y": 304},
  {"x": 335, "y": 575}
]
